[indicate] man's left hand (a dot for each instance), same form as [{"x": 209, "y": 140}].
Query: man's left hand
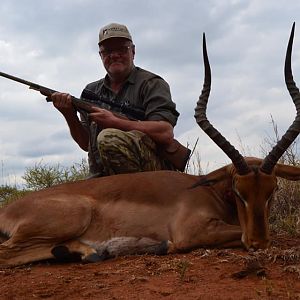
[{"x": 104, "y": 118}]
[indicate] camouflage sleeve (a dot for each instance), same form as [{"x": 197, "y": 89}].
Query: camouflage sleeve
[{"x": 157, "y": 101}]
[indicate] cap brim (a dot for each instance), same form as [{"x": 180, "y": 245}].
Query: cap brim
[{"x": 114, "y": 37}]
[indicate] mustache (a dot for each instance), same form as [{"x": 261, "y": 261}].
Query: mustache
[{"x": 117, "y": 60}]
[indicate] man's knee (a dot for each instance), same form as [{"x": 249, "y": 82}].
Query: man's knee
[
  {"x": 108, "y": 134},
  {"x": 111, "y": 138},
  {"x": 127, "y": 152},
  {"x": 119, "y": 151}
]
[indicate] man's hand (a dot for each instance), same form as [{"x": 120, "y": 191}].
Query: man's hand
[
  {"x": 104, "y": 118},
  {"x": 63, "y": 102}
]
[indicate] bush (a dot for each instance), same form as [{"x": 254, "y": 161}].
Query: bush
[
  {"x": 43, "y": 175},
  {"x": 8, "y": 194},
  {"x": 285, "y": 212}
]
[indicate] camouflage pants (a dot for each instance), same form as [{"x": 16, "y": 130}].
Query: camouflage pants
[{"x": 128, "y": 152}]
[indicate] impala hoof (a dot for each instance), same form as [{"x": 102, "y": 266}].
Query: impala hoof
[
  {"x": 92, "y": 258},
  {"x": 62, "y": 254}
]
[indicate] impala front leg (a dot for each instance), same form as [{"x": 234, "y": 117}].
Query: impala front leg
[{"x": 210, "y": 233}]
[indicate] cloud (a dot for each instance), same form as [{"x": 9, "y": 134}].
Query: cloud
[{"x": 55, "y": 44}]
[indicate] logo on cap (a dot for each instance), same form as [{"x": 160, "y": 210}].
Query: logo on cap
[{"x": 114, "y": 30}]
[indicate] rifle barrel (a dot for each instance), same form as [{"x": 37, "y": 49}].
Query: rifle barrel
[
  {"x": 31, "y": 84},
  {"x": 91, "y": 98}
]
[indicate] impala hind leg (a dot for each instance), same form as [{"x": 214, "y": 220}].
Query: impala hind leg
[
  {"x": 17, "y": 254},
  {"x": 30, "y": 236}
]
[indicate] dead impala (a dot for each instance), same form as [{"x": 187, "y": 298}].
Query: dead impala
[{"x": 153, "y": 212}]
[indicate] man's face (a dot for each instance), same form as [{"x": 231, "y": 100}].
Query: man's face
[{"x": 117, "y": 55}]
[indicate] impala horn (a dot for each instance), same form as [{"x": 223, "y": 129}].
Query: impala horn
[
  {"x": 291, "y": 134},
  {"x": 237, "y": 159}
]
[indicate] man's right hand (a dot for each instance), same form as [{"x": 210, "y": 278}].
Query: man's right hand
[{"x": 63, "y": 102}]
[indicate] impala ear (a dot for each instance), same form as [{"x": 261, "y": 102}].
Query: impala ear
[
  {"x": 224, "y": 173},
  {"x": 216, "y": 176},
  {"x": 287, "y": 172}
]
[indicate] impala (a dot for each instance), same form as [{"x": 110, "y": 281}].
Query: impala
[{"x": 153, "y": 212}]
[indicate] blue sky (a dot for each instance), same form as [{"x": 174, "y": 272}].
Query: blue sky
[{"x": 54, "y": 43}]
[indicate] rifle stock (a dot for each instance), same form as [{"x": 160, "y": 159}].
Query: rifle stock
[{"x": 176, "y": 153}]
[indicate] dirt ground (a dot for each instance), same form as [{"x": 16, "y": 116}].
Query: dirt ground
[{"x": 201, "y": 274}]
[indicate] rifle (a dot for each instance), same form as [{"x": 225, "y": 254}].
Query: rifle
[{"x": 176, "y": 153}]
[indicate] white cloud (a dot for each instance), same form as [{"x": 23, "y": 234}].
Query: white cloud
[{"x": 55, "y": 44}]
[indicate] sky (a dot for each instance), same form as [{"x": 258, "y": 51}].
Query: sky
[{"x": 54, "y": 43}]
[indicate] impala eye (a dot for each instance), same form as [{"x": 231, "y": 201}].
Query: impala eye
[{"x": 240, "y": 197}]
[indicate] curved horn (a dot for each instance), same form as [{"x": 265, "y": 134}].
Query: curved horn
[
  {"x": 287, "y": 139},
  {"x": 200, "y": 115}
]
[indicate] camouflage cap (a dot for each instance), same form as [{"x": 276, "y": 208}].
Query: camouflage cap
[{"x": 114, "y": 30}]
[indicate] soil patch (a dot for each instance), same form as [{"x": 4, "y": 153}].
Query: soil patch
[{"x": 202, "y": 274}]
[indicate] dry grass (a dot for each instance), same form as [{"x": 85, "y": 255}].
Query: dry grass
[{"x": 285, "y": 212}]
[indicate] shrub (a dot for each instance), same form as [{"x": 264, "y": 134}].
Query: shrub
[
  {"x": 43, "y": 175},
  {"x": 8, "y": 194},
  {"x": 285, "y": 212}
]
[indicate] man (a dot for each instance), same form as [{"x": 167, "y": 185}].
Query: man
[{"x": 116, "y": 144}]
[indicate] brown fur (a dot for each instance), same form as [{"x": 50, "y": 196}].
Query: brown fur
[{"x": 91, "y": 216}]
